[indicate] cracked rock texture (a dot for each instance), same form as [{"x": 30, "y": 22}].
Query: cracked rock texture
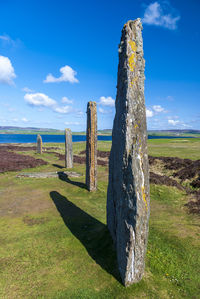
[
  {"x": 68, "y": 149},
  {"x": 39, "y": 144},
  {"x": 128, "y": 189},
  {"x": 91, "y": 147}
]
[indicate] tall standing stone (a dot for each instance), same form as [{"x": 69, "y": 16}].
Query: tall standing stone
[
  {"x": 39, "y": 144},
  {"x": 128, "y": 190},
  {"x": 68, "y": 149},
  {"x": 91, "y": 147}
]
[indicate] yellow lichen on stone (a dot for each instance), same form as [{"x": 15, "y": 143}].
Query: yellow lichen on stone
[
  {"x": 143, "y": 186},
  {"x": 132, "y": 62},
  {"x": 133, "y": 45},
  {"x": 132, "y": 58},
  {"x": 144, "y": 197},
  {"x": 133, "y": 81}
]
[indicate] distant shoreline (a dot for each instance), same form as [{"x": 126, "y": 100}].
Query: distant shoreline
[
  {"x": 53, "y": 138},
  {"x": 105, "y": 132},
  {"x": 159, "y": 134}
]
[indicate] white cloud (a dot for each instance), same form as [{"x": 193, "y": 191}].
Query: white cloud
[
  {"x": 72, "y": 123},
  {"x": 149, "y": 113},
  {"x": 26, "y": 89},
  {"x": 63, "y": 109},
  {"x": 39, "y": 99},
  {"x": 186, "y": 126},
  {"x": 160, "y": 16},
  {"x": 173, "y": 122},
  {"x": 24, "y": 119},
  {"x": 180, "y": 124},
  {"x": 7, "y": 73},
  {"x": 66, "y": 100},
  {"x": 67, "y": 75},
  {"x": 107, "y": 101},
  {"x": 158, "y": 108}
]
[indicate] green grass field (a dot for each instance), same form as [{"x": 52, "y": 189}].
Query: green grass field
[{"x": 55, "y": 243}]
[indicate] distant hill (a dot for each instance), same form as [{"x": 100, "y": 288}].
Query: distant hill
[
  {"x": 33, "y": 130},
  {"x": 160, "y": 132},
  {"x": 186, "y": 132},
  {"x": 28, "y": 130},
  {"x": 105, "y": 132}
]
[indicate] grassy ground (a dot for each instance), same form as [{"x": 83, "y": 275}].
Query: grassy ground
[
  {"x": 182, "y": 148},
  {"x": 55, "y": 244}
]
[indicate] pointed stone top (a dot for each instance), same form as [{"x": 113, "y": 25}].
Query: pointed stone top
[
  {"x": 132, "y": 35},
  {"x": 67, "y": 130},
  {"x": 136, "y": 22},
  {"x": 91, "y": 103}
]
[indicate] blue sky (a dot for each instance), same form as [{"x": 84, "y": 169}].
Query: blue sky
[{"x": 55, "y": 56}]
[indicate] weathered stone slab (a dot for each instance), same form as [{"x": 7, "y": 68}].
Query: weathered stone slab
[
  {"x": 68, "y": 149},
  {"x": 39, "y": 144},
  {"x": 44, "y": 175},
  {"x": 128, "y": 190},
  {"x": 91, "y": 147}
]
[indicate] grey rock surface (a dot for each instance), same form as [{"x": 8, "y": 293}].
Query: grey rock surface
[
  {"x": 68, "y": 149},
  {"x": 128, "y": 201},
  {"x": 44, "y": 175},
  {"x": 91, "y": 147},
  {"x": 39, "y": 144}
]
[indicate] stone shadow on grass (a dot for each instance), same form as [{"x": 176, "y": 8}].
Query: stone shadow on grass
[
  {"x": 93, "y": 234},
  {"x": 64, "y": 177},
  {"x": 58, "y": 166}
]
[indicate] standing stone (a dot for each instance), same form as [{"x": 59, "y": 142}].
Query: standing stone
[
  {"x": 39, "y": 144},
  {"x": 91, "y": 147},
  {"x": 68, "y": 149},
  {"x": 128, "y": 190}
]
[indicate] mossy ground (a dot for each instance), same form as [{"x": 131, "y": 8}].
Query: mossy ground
[{"x": 55, "y": 244}]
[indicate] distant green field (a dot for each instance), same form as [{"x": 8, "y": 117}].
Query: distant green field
[
  {"x": 55, "y": 243},
  {"x": 187, "y": 148},
  {"x": 174, "y": 134}
]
